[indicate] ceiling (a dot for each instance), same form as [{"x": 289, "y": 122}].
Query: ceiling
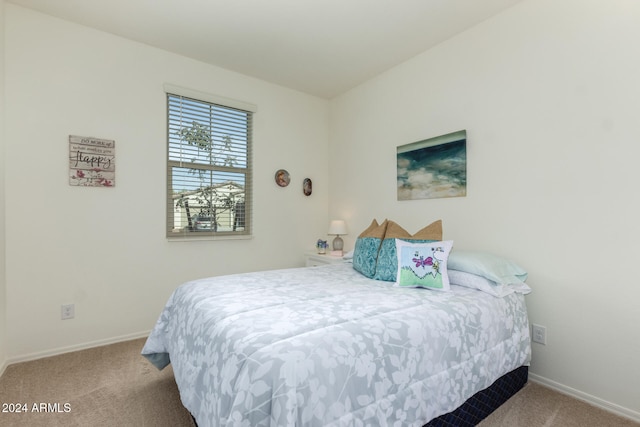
[{"x": 320, "y": 47}]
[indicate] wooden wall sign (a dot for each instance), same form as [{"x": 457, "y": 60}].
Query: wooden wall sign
[{"x": 92, "y": 162}]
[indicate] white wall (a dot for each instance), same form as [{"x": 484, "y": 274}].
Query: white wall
[
  {"x": 549, "y": 93},
  {"x": 3, "y": 302},
  {"x": 105, "y": 249}
]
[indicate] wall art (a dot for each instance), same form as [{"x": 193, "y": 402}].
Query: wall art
[
  {"x": 282, "y": 177},
  {"x": 92, "y": 162},
  {"x": 433, "y": 168},
  {"x": 307, "y": 186}
]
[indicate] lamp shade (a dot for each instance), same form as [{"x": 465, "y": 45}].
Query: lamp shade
[{"x": 337, "y": 227}]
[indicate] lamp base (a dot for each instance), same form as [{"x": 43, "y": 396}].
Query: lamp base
[{"x": 337, "y": 243}]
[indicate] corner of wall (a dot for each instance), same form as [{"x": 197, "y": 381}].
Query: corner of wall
[{"x": 3, "y": 286}]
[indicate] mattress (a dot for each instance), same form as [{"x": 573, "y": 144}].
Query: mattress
[{"x": 326, "y": 346}]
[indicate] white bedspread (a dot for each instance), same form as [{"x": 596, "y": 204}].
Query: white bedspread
[{"x": 326, "y": 346}]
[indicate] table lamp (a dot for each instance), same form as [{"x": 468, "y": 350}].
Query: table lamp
[{"x": 337, "y": 227}]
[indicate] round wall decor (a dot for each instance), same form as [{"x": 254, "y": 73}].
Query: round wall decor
[{"x": 282, "y": 177}]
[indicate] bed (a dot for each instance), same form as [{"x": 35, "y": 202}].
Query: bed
[{"x": 328, "y": 346}]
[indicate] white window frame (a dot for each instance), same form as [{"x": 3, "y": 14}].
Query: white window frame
[{"x": 237, "y": 222}]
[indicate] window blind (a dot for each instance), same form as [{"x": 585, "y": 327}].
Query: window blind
[{"x": 208, "y": 169}]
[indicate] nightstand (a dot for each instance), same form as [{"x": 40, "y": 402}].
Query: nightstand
[{"x": 314, "y": 259}]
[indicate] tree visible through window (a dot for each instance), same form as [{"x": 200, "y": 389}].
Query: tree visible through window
[{"x": 208, "y": 168}]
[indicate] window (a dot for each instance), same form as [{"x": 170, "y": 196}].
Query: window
[{"x": 208, "y": 166}]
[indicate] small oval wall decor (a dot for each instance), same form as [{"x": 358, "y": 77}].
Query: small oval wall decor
[
  {"x": 307, "y": 186},
  {"x": 282, "y": 178}
]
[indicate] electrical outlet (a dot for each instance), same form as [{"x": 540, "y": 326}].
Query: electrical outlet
[
  {"x": 68, "y": 311},
  {"x": 539, "y": 334}
]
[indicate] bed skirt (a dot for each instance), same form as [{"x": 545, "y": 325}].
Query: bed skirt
[{"x": 483, "y": 403}]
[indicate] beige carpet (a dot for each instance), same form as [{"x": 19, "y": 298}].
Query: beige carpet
[{"x": 115, "y": 386}]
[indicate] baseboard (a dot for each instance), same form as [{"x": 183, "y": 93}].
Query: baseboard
[
  {"x": 595, "y": 401},
  {"x": 3, "y": 367},
  {"x": 77, "y": 347}
]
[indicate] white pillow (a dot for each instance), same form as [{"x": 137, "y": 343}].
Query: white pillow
[
  {"x": 468, "y": 280},
  {"x": 489, "y": 266},
  {"x": 423, "y": 265}
]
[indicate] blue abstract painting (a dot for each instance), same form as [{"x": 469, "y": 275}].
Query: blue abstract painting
[{"x": 433, "y": 168}]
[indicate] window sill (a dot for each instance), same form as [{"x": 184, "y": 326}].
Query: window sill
[{"x": 207, "y": 238}]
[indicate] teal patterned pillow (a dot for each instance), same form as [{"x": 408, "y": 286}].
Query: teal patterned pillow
[
  {"x": 387, "y": 263},
  {"x": 423, "y": 265},
  {"x": 365, "y": 251},
  {"x": 365, "y": 254}
]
